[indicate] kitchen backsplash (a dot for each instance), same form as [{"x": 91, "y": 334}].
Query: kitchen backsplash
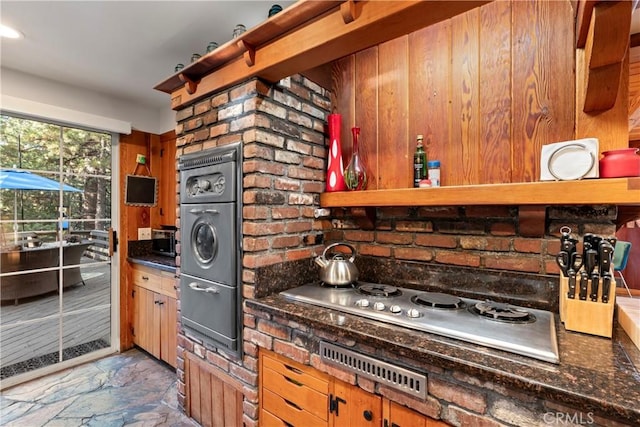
[{"x": 482, "y": 237}]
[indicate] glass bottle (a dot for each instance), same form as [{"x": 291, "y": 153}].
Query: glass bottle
[
  {"x": 419, "y": 162},
  {"x": 355, "y": 175}
]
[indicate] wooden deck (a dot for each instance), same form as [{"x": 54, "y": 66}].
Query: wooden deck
[{"x": 31, "y": 328}]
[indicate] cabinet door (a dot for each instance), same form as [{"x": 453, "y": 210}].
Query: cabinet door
[
  {"x": 163, "y": 166},
  {"x": 400, "y": 416},
  {"x": 146, "y": 320},
  {"x": 168, "y": 329},
  {"x": 353, "y": 406}
]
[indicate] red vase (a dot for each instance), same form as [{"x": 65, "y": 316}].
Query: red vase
[
  {"x": 620, "y": 163},
  {"x": 335, "y": 168}
]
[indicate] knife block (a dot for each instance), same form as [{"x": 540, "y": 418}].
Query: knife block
[{"x": 590, "y": 317}]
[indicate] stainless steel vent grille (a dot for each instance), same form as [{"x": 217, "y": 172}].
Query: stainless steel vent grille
[
  {"x": 385, "y": 373},
  {"x": 201, "y": 160}
]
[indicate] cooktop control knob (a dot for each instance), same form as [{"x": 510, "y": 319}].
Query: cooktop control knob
[
  {"x": 412, "y": 312},
  {"x": 395, "y": 309},
  {"x": 379, "y": 306},
  {"x": 362, "y": 303}
]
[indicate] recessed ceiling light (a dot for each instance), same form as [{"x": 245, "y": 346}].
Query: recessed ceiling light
[{"x": 9, "y": 32}]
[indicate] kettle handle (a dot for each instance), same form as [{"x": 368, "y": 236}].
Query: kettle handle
[{"x": 353, "y": 250}]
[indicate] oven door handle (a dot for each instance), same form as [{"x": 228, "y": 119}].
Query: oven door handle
[
  {"x": 203, "y": 211},
  {"x": 211, "y": 289}
]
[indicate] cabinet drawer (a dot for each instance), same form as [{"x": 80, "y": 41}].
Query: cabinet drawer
[
  {"x": 267, "y": 419},
  {"x": 168, "y": 284},
  {"x": 289, "y": 412},
  {"x": 301, "y": 374},
  {"x": 297, "y": 393},
  {"x": 153, "y": 279}
]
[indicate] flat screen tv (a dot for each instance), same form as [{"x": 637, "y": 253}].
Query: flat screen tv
[{"x": 141, "y": 191}]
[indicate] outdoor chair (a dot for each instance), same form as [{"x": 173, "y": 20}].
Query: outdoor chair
[{"x": 620, "y": 258}]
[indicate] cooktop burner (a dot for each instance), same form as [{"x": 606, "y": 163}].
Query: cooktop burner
[
  {"x": 438, "y": 300},
  {"x": 502, "y": 312},
  {"x": 376, "y": 290},
  {"x": 532, "y": 334}
]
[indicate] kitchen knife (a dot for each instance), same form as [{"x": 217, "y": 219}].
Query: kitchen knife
[
  {"x": 584, "y": 277},
  {"x": 605, "y": 253},
  {"x": 572, "y": 284},
  {"x": 594, "y": 273}
]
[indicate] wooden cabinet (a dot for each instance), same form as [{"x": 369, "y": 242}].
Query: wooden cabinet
[
  {"x": 163, "y": 167},
  {"x": 292, "y": 394},
  {"x": 353, "y": 406},
  {"x": 154, "y": 322},
  {"x": 395, "y": 415},
  {"x": 214, "y": 398}
]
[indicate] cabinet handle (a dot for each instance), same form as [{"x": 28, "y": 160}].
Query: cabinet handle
[
  {"x": 291, "y": 380},
  {"x": 211, "y": 289},
  {"x": 334, "y": 404},
  {"x": 145, "y": 278},
  {"x": 296, "y": 370},
  {"x": 202, "y": 211},
  {"x": 290, "y": 403},
  {"x": 368, "y": 415}
]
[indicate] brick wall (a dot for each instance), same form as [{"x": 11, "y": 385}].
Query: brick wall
[
  {"x": 282, "y": 130},
  {"x": 485, "y": 237}
]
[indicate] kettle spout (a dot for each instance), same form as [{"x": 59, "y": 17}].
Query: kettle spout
[{"x": 321, "y": 261}]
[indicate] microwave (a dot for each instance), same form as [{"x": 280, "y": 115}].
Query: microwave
[{"x": 163, "y": 242}]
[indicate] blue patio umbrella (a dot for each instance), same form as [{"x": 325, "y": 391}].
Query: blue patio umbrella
[{"x": 14, "y": 179}]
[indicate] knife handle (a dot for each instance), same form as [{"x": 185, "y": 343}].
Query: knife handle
[
  {"x": 584, "y": 277},
  {"x": 591, "y": 261},
  {"x": 572, "y": 285},
  {"x": 595, "y": 282},
  {"x": 606, "y": 285}
]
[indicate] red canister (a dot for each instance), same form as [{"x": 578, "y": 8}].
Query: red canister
[{"x": 624, "y": 162}]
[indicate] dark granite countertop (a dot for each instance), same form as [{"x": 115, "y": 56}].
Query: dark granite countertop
[
  {"x": 155, "y": 261},
  {"x": 595, "y": 374}
]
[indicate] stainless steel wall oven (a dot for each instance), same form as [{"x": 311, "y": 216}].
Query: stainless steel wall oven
[{"x": 210, "y": 241}]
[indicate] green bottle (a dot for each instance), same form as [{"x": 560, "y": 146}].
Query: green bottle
[{"x": 419, "y": 162}]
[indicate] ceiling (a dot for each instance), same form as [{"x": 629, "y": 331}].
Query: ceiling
[{"x": 119, "y": 48}]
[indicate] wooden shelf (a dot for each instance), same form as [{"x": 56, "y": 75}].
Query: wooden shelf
[
  {"x": 606, "y": 191},
  {"x": 268, "y": 30}
]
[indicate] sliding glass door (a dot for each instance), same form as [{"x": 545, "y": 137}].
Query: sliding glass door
[{"x": 55, "y": 227}]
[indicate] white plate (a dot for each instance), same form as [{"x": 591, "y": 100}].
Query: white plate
[
  {"x": 569, "y": 160},
  {"x": 573, "y": 161}
]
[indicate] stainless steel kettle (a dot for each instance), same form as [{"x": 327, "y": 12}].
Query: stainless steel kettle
[{"x": 338, "y": 271}]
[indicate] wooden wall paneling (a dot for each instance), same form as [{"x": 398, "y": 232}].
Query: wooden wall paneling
[
  {"x": 464, "y": 148},
  {"x": 217, "y": 399},
  {"x": 429, "y": 95},
  {"x": 154, "y": 163},
  {"x": 366, "y": 86},
  {"x": 543, "y": 82},
  {"x": 130, "y": 219},
  {"x": 393, "y": 137},
  {"x": 233, "y": 403},
  {"x": 193, "y": 381},
  {"x": 634, "y": 93},
  {"x": 495, "y": 93},
  {"x": 343, "y": 100},
  {"x": 207, "y": 396}
]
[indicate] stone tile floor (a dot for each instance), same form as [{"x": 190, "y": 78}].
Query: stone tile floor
[{"x": 128, "y": 389}]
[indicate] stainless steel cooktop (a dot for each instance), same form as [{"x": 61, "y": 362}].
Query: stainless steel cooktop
[{"x": 525, "y": 331}]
